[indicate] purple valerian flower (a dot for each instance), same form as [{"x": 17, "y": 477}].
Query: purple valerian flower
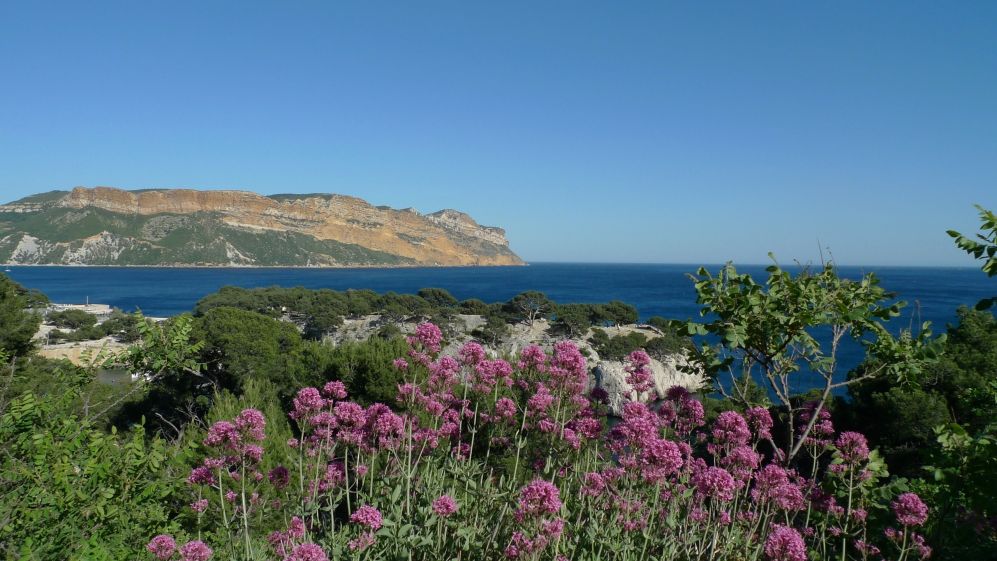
[
  {"x": 306, "y": 403},
  {"x": 195, "y": 550},
  {"x": 253, "y": 453},
  {"x": 638, "y": 370},
  {"x": 361, "y": 542},
  {"x": 427, "y": 335},
  {"x": 760, "y": 421},
  {"x": 714, "y": 482},
  {"x": 279, "y": 477},
  {"x": 223, "y": 433},
  {"x": 540, "y": 401},
  {"x": 334, "y": 390},
  {"x": 659, "y": 459},
  {"x": 785, "y": 544},
  {"x": 852, "y": 447},
  {"x": 741, "y": 462},
  {"x": 505, "y": 408},
  {"x": 537, "y": 498},
  {"x": 201, "y": 475},
  {"x": 162, "y": 546},
  {"x": 594, "y": 484},
  {"x": 471, "y": 353},
  {"x": 689, "y": 416},
  {"x": 823, "y": 429},
  {"x": 730, "y": 430},
  {"x": 910, "y": 509},
  {"x": 252, "y": 423},
  {"x": 307, "y": 552},
  {"x": 788, "y": 497},
  {"x": 444, "y": 506},
  {"x": 367, "y": 515},
  {"x": 385, "y": 427},
  {"x": 532, "y": 357}
]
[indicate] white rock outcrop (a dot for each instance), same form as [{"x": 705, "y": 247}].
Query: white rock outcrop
[{"x": 611, "y": 375}]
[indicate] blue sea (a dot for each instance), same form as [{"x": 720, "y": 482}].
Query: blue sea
[{"x": 933, "y": 294}]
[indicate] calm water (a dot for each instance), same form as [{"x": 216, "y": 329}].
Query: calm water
[{"x": 933, "y": 293}]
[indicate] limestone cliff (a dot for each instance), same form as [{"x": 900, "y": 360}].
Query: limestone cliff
[{"x": 108, "y": 226}]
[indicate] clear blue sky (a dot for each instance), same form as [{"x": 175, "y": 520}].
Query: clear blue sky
[{"x": 592, "y": 131}]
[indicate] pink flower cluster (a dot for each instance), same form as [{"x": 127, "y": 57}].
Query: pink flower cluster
[
  {"x": 164, "y": 547},
  {"x": 852, "y": 447},
  {"x": 536, "y": 511},
  {"x": 239, "y": 440},
  {"x": 369, "y": 520},
  {"x": 785, "y": 544},
  {"x": 425, "y": 342},
  {"x": 639, "y": 375},
  {"x": 910, "y": 510},
  {"x": 821, "y": 434},
  {"x": 285, "y": 542},
  {"x": 444, "y": 506}
]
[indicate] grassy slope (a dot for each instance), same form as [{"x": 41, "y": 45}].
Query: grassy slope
[{"x": 198, "y": 239}]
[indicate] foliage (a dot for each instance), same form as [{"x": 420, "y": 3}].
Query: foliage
[
  {"x": 616, "y": 347},
  {"x": 529, "y": 306},
  {"x": 473, "y": 306},
  {"x": 619, "y": 313},
  {"x": 69, "y": 490},
  {"x": 17, "y": 324},
  {"x": 958, "y": 387},
  {"x": 365, "y": 368},
  {"x": 983, "y": 248},
  {"x": 437, "y": 298},
  {"x": 239, "y": 345},
  {"x": 574, "y": 320},
  {"x": 166, "y": 364},
  {"x": 769, "y": 331},
  {"x": 494, "y": 331},
  {"x": 72, "y": 319}
]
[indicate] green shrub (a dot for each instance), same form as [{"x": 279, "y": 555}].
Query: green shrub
[
  {"x": 72, "y": 319},
  {"x": 17, "y": 324},
  {"x": 616, "y": 347},
  {"x": 69, "y": 490}
]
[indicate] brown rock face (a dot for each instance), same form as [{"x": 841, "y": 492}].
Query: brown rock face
[{"x": 446, "y": 237}]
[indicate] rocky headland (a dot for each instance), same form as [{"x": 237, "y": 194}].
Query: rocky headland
[{"x": 186, "y": 227}]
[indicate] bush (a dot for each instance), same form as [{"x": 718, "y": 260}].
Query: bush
[
  {"x": 616, "y": 347},
  {"x": 241, "y": 345},
  {"x": 69, "y": 490},
  {"x": 17, "y": 324},
  {"x": 494, "y": 332},
  {"x": 473, "y": 307},
  {"x": 72, "y": 319}
]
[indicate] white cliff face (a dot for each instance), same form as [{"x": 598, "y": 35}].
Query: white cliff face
[
  {"x": 611, "y": 376},
  {"x": 28, "y": 250},
  {"x": 465, "y": 225},
  {"x": 102, "y": 248}
]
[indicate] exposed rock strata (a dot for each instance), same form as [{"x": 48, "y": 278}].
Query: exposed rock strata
[{"x": 332, "y": 230}]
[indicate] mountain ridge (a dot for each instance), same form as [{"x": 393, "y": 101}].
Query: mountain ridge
[{"x": 176, "y": 227}]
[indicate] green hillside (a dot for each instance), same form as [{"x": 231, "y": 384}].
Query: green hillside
[{"x": 97, "y": 237}]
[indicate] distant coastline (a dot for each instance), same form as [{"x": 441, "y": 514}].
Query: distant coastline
[{"x": 305, "y": 267}]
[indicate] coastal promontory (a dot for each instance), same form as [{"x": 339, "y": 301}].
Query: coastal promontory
[{"x": 187, "y": 227}]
